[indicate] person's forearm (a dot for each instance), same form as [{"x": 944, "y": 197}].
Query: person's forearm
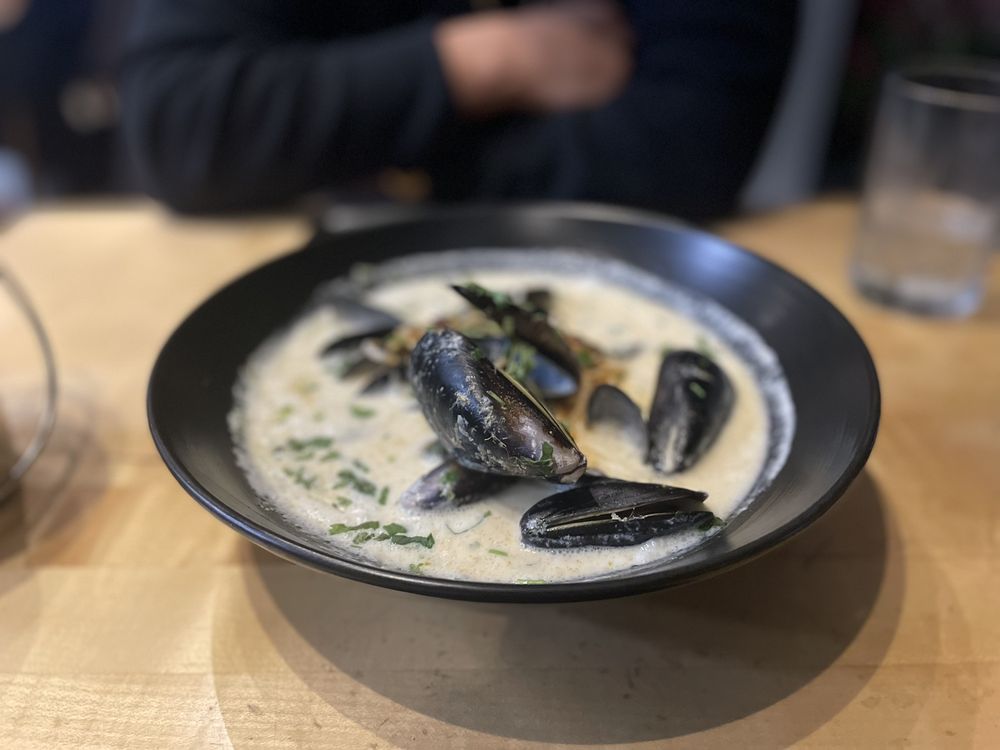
[{"x": 238, "y": 124}]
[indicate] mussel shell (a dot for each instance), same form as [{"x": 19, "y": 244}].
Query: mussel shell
[
  {"x": 530, "y": 326},
  {"x": 353, "y": 340},
  {"x": 693, "y": 400},
  {"x": 611, "y": 405},
  {"x": 613, "y": 513},
  {"x": 451, "y": 485},
  {"x": 547, "y": 379},
  {"x": 486, "y": 420}
]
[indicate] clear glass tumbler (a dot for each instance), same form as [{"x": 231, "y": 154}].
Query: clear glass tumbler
[{"x": 931, "y": 208}]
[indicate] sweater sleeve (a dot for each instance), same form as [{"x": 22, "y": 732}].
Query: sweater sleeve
[
  {"x": 224, "y": 109},
  {"x": 681, "y": 138}
]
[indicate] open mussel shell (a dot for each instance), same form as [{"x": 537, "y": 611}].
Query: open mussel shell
[
  {"x": 693, "y": 400},
  {"x": 451, "y": 485},
  {"x": 546, "y": 378},
  {"x": 613, "y": 513},
  {"x": 531, "y": 326},
  {"x": 612, "y": 406},
  {"x": 364, "y": 320},
  {"x": 486, "y": 420}
]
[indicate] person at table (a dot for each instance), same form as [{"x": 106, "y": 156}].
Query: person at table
[{"x": 240, "y": 104}]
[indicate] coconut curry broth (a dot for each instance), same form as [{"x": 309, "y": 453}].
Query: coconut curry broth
[{"x": 335, "y": 462}]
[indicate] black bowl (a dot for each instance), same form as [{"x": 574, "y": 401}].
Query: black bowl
[{"x": 829, "y": 371}]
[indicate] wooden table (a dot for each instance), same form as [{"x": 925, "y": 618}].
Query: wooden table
[{"x": 130, "y": 618}]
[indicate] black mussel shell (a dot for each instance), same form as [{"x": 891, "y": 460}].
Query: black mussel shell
[
  {"x": 693, "y": 400},
  {"x": 353, "y": 340},
  {"x": 530, "y": 326},
  {"x": 546, "y": 378},
  {"x": 613, "y": 513},
  {"x": 611, "y": 405},
  {"x": 486, "y": 420},
  {"x": 366, "y": 322},
  {"x": 451, "y": 485}
]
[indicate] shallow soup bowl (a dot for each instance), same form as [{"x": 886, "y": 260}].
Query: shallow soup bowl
[{"x": 829, "y": 372}]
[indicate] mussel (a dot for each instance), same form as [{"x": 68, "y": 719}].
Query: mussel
[
  {"x": 485, "y": 419},
  {"x": 692, "y": 402},
  {"x": 451, "y": 485},
  {"x": 613, "y": 513},
  {"x": 530, "y": 326}
]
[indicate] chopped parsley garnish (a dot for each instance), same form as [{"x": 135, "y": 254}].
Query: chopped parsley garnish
[
  {"x": 362, "y": 412},
  {"x": 394, "y": 528},
  {"x": 300, "y": 477},
  {"x": 449, "y": 477},
  {"x": 344, "y": 502},
  {"x": 585, "y": 358},
  {"x": 284, "y": 412},
  {"x": 360, "y": 464},
  {"x": 697, "y": 389},
  {"x": 297, "y": 445},
  {"x": 418, "y": 567},
  {"x": 383, "y": 496},
  {"x": 520, "y": 360},
  {"x": 424, "y": 541},
  {"x": 363, "y": 537},
  {"x": 348, "y": 478},
  {"x": 499, "y": 552},
  {"x": 343, "y": 528},
  {"x": 329, "y": 456}
]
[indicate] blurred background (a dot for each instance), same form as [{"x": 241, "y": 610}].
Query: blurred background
[{"x": 60, "y": 115}]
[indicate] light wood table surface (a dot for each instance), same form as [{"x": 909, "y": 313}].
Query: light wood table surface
[{"x": 131, "y": 618}]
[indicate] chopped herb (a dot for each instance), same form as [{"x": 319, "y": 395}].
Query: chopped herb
[
  {"x": 697, "y": 389},
  {"x": 499, "y": 552},
  {"x": 703, "y": 347},
  {"x": 308, "y": 443},
  {"x": 390, "y": 459},
  {"x": 546, "y": 459},
  {"x": 450, "y": 476},
  {"x": 585, "y": 358},
  {"x": 305, "y": 387},
  {"x": 284, "y": 412},
  {"x": 418, "y": 567},
  {"x": 360, "y": 464},
  {"x": 299, "y": 476},
  {"x": 329, "y": 456},
  {"x": 344, "y": 502},
  {"x": 424, "y": 541},
  {"x": 363, "y": 537},
  {"x": 383, "y": 496},
  {"x": 362, "y": 412},
  {"x": 520, "y": 360},
  {"x": 485, "y": 515},
  {"x": 529, "y": 581},
  {"x": 343, "y": 528},
  {"x": 349, "y": 479},
  {"x": 394, "y": 528},
  {"x": 496, "y": 398}
]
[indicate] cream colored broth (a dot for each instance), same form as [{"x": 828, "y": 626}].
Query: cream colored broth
[{"x": 299, "y": 426}]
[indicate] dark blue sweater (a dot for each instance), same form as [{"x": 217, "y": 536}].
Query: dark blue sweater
[{"x": 233, "y": 104}]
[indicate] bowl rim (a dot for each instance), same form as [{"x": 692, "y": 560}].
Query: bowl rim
[{"x": 566, "y": 591}]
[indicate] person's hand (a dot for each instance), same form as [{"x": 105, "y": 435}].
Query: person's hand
[{"x": 574, "y": 54}]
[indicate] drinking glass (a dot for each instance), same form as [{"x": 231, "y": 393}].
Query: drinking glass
[
  {"x": 27, "y": 383},
  {"x": 931, "y": 206}
]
